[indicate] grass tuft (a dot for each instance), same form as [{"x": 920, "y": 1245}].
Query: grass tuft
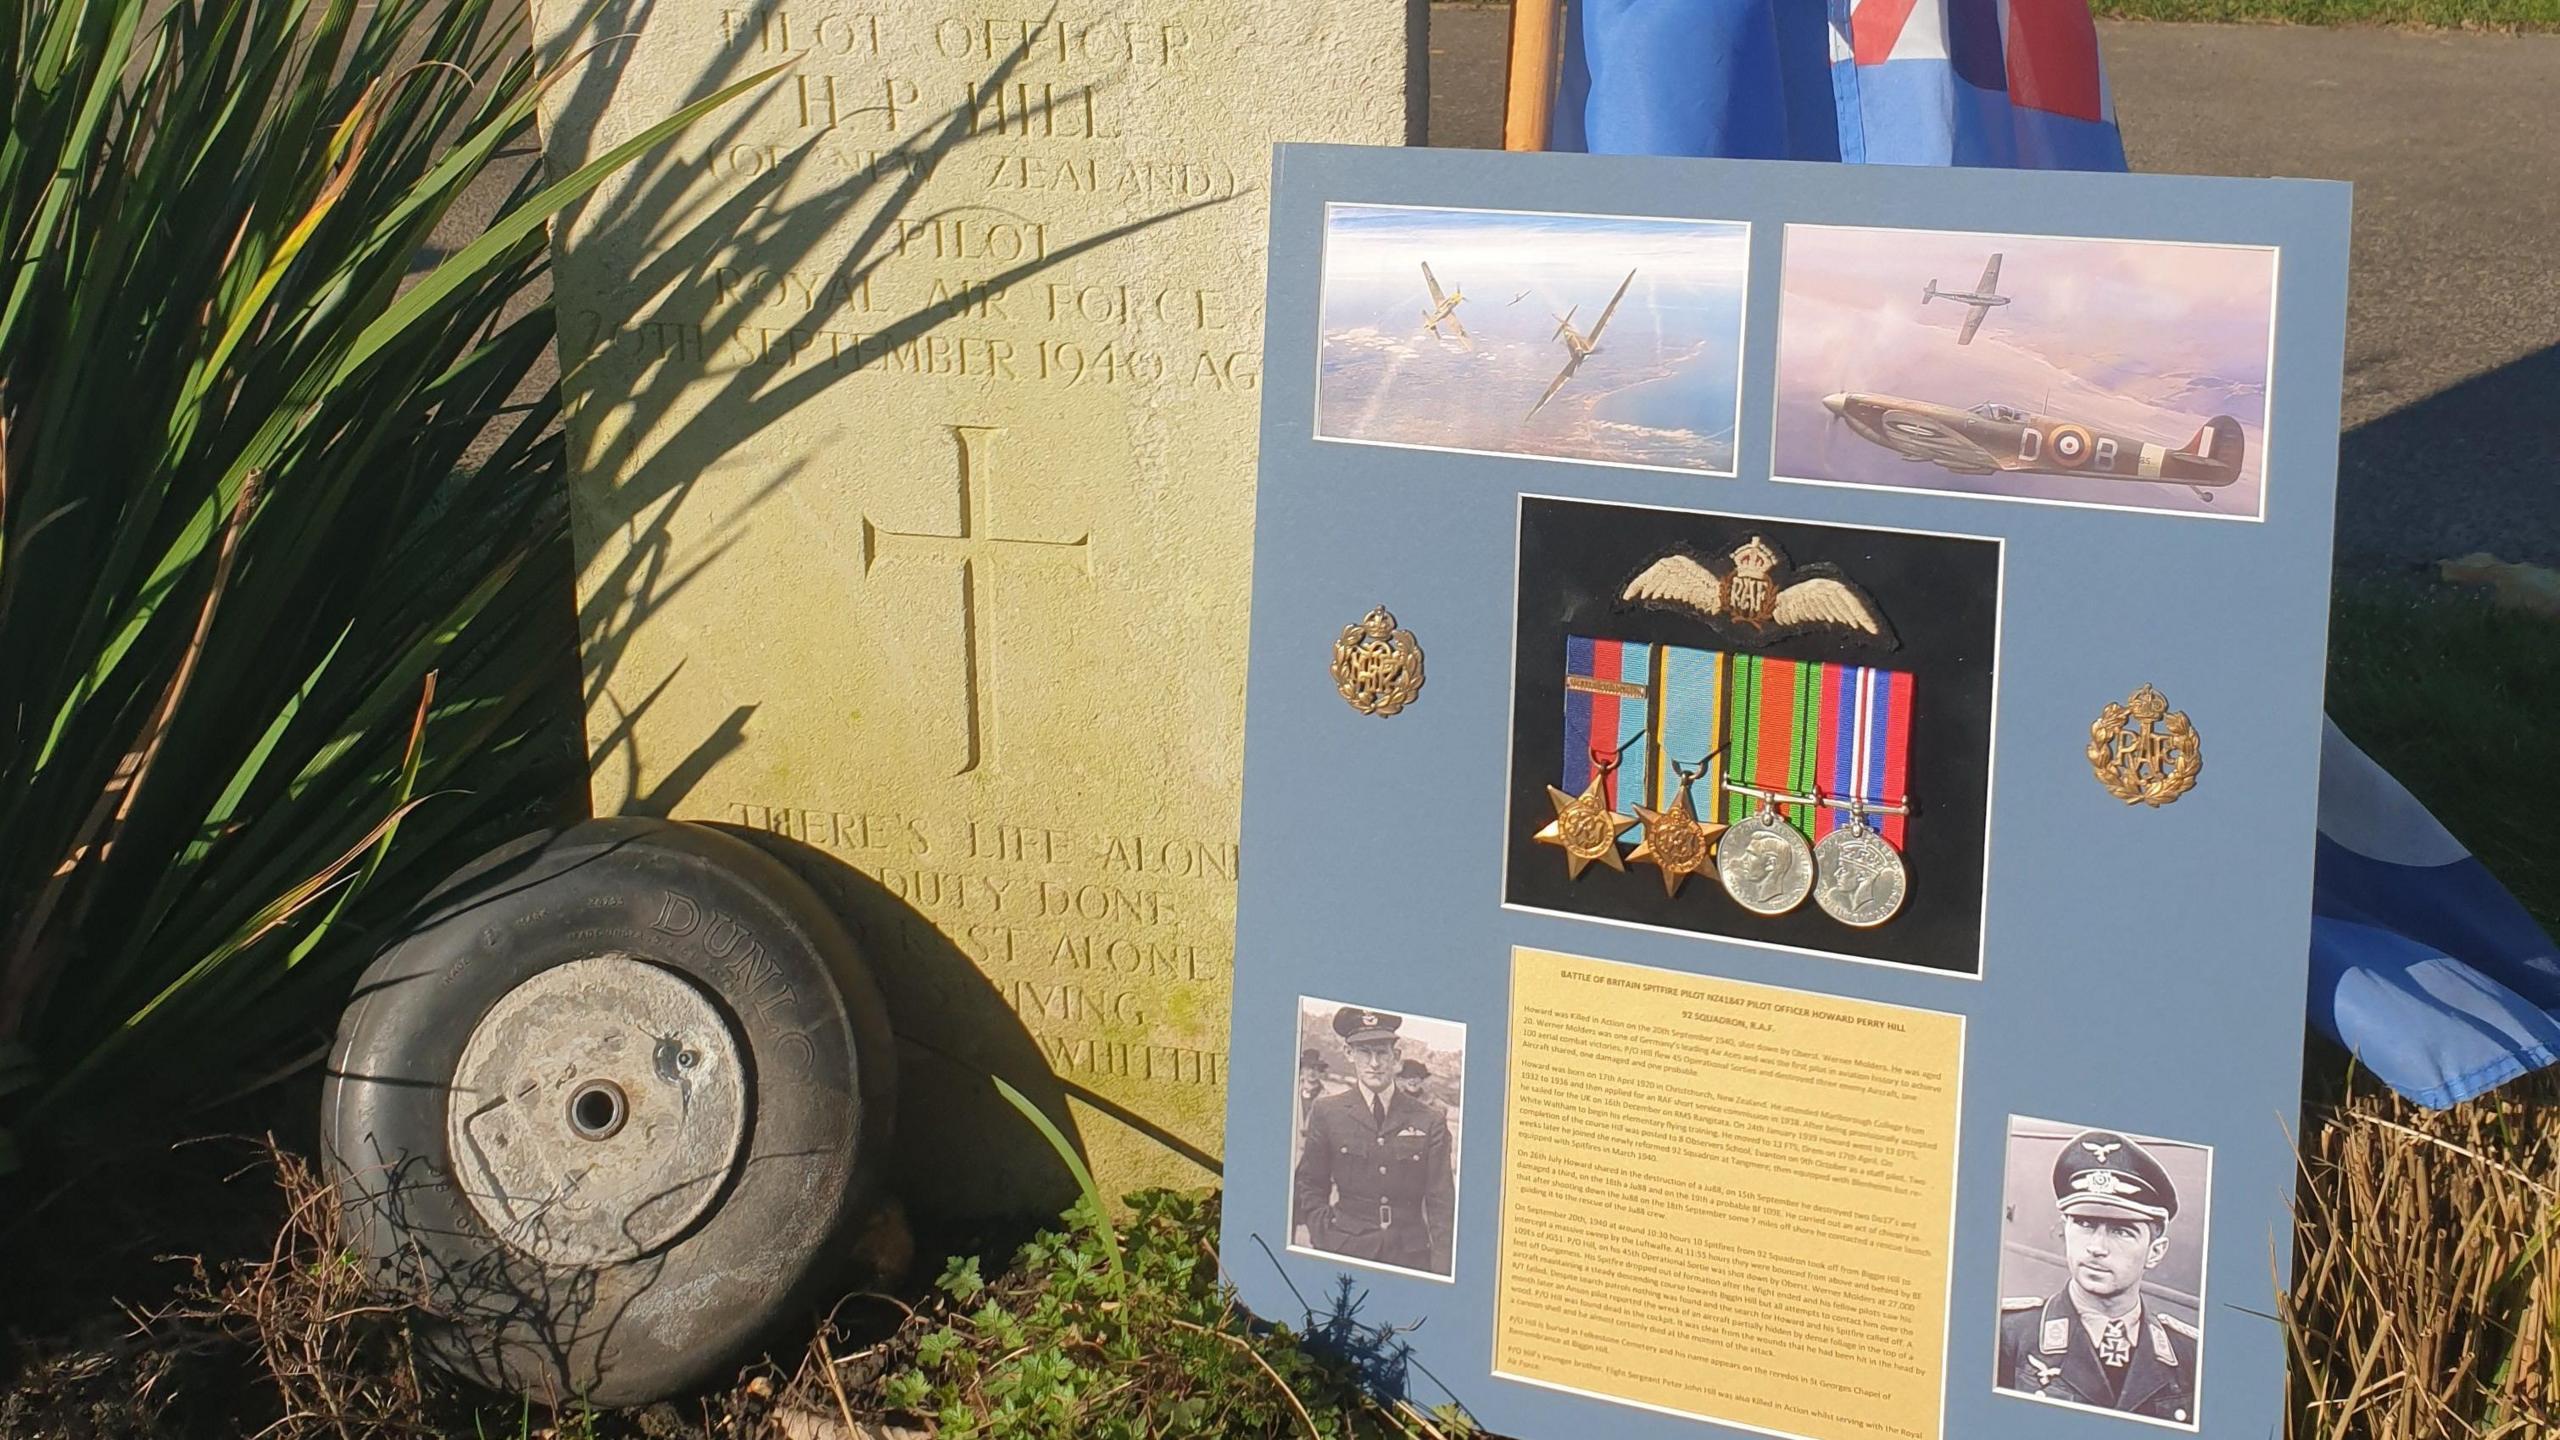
[
  {"x": 2506, "y": 15},
  {"x": 2425, "y": 1305}
]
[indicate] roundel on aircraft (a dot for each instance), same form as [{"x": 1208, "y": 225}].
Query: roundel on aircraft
[{"x": 2069, "y": 444}]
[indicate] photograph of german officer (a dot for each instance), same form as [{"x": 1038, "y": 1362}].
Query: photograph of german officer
[
  {"x": 1374, "y": 1179},
  {"x": 2097, "y": 1342}
]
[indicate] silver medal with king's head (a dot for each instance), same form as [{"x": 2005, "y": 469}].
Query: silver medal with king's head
[
  {"x": 1765, "y": 864},
  {"x": 1858, "y": 878}
]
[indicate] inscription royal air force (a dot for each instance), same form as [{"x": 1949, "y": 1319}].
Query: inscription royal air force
[{"x": 1069, "y": 325}]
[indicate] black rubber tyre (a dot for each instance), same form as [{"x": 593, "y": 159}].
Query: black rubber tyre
[{"x": 809, "y": 1034}]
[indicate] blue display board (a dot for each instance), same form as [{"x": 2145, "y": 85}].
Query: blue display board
[{"x": 1781, "y": 749}]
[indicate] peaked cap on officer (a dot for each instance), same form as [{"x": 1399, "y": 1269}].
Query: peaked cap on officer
[
  {"x": 2104, "y": 1174},
  {"x": 1366, "y": 1027}
]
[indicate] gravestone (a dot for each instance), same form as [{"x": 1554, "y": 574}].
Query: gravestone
[{"x": 912, "y": 406}]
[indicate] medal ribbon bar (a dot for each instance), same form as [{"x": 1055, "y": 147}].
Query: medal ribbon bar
[{"x": 1606, "y": 705}]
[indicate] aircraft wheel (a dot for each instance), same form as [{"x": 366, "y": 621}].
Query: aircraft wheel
[{"x": 608, "y": 1109}]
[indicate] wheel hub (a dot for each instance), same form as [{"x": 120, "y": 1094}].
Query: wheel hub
[{"x": 597, "y": 1111}]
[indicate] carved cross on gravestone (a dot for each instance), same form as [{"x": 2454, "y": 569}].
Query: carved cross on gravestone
[{"x": 977, "y": 549}]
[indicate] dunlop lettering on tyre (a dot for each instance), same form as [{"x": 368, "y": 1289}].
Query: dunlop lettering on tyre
[{"x": 613, "y": 1104}]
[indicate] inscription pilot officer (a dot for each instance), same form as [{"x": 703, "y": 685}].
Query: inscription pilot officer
[
  {"x": 2097, "y": 1342},
  {"x": 1374, "y": 1180}
]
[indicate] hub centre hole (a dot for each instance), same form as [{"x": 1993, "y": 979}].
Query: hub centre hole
[{"x": 598, "y": 1109}]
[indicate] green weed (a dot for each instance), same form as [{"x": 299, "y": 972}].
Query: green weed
[
  {"x": 2432, "y": 14},
  {"x": 1064, "y": 1346}
]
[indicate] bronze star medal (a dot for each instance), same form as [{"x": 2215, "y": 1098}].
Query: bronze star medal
[
  {"x": 1586, "y": 827},
  {"x": 1675, "y": 841}
]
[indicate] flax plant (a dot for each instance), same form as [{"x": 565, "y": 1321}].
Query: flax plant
[{"x": 281, "y": 545}]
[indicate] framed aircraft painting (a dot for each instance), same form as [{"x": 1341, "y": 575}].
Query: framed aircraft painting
[
  {"x": 2082, "y": 371},
  {"x": 1782, "y": 745}
]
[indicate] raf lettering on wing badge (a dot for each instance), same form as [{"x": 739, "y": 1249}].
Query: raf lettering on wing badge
[
  {"x": 1377, "y": 667},
  {"x": 2144, "y": 752},
  {"x": 1754, "y": 597}
]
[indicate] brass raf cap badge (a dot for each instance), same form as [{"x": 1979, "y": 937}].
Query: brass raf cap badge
[
  {"x": 2144, "y": 752},
  {"x": 1377, "y": 667}
]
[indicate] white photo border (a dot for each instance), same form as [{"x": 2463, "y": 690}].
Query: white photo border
[
  {"x": 2267, "y": 426},
  {"x": 1741, "y": 338},
  {"x": 1457, "y": 1172},
  {"x": 2204, "y": 1273}
]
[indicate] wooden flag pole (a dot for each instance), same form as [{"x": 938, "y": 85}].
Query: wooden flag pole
[{"x": 1529, "y": 106}]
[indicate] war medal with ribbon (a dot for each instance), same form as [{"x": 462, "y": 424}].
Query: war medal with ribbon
[
  {"x": 1809, "y": 800},
  {"x": 1765, "y": 863},
  {"x": 1587, "y": 826},
  {"x": 1858, "y": 877},
  {"x": 1675, "y": 841}
]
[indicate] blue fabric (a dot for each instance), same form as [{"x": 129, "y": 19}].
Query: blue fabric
[
  {"x": 2425, "y": 967},
  {"x": 1723, "y": 77},
  {"x": 1916, "y": 112},
  {"x": 1772, "y": 80},
  {"x": 2422, "y": 964}
]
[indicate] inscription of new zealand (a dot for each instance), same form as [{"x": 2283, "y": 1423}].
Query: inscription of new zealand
[{"x": 912, "y": 405}]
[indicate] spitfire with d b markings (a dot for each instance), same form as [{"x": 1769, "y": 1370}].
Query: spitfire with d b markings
[{"x": 1994, "y": 439}]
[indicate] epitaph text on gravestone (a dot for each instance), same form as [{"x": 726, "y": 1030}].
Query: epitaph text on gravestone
[{"x": 912, "y": 413}]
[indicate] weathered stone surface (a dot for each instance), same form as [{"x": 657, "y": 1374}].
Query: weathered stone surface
[{"x": 912, "y": 413}]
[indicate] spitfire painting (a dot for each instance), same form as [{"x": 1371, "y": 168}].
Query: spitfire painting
[
  {"x": 2118, "y": 373},
  {"x": 1620, "y": 343}
]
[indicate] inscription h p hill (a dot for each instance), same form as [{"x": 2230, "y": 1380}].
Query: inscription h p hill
[{"x": 977, "y": 550}]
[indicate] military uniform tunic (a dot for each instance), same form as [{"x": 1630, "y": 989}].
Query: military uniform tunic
[
  {"x": 1377, "y": 1191},
  {"x": 2045, "y": 1351}
]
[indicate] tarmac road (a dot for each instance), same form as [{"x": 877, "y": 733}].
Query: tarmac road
[
  {"x": 2453, "y": 332},
  {"x": 2453, "y": 335}
]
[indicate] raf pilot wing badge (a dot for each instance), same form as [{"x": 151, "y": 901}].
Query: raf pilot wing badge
[{"x": 1753, "y": 598}]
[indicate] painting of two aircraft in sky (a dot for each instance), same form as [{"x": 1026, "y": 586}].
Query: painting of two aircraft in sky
[
  {"x": 1586, "y": 337},
  {"x": 2117, "y": 373}
]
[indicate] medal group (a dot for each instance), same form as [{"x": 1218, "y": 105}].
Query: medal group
[{"x": 1806, "y": 763}]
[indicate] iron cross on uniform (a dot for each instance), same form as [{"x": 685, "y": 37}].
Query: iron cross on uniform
[{"x": 977, "y": 549}]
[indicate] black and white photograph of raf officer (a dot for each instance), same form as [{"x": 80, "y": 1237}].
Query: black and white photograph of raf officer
[
  {"x": 2114, "y": 1335},
  {"x": 1376, "y": 1176}
]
